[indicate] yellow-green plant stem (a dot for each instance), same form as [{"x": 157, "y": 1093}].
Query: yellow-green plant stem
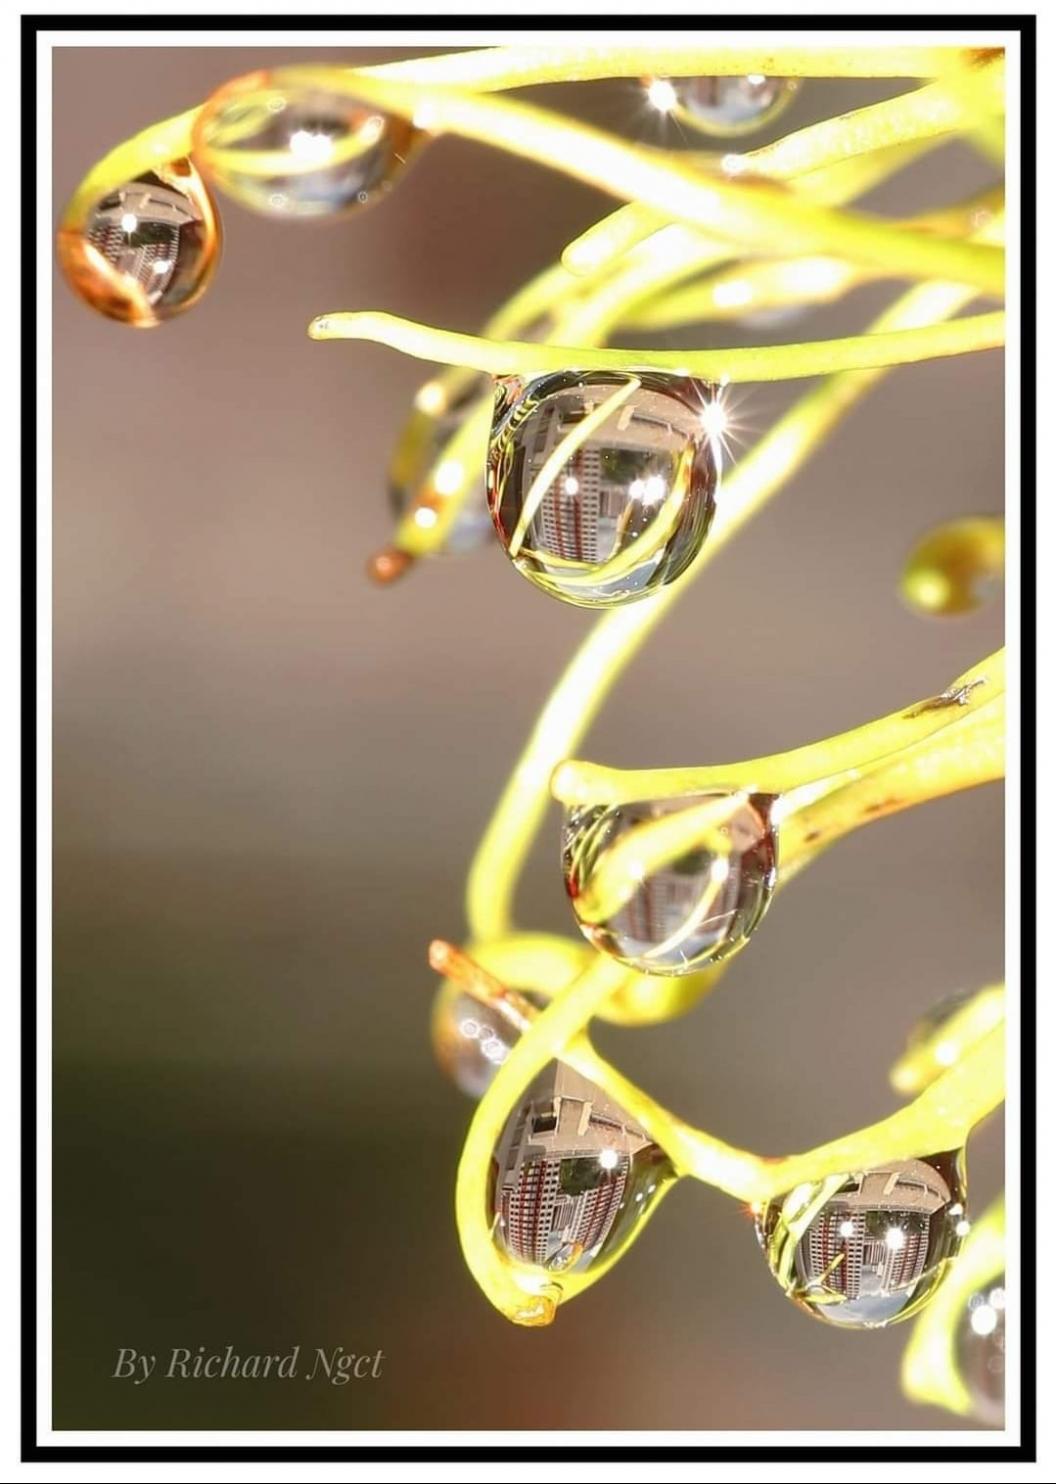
[
  {"x": 834, "y": 185},
  {"x": 941, "y": 1118},
  {"x": 814, "y": 808},
  {"x": 748, "y": 214},
  {"x": 951, "y": 106},
  {"x": 927, "y": 1056},
  {"x": 616, "y": 638},
  {"x": 929, "y": 1362},
  {"x": 582, "y": 785},
  {"x": 581, "y": 310},
  {"x": 789, "y": 283},
  {"x": 495, "y": 68},
  {"x": 752, "y": 363}
]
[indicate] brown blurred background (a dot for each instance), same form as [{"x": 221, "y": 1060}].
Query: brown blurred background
[{"x": 270, "y": 778}]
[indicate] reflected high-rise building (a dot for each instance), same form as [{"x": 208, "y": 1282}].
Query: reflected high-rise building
[
  {"x": 137, "y": 230},
  {"x": 878, "y": 1245},
  {"x": 573, "y": 1173},
  {"x": 602, "y": 484},
  {"x": 874, "y": 1237}
]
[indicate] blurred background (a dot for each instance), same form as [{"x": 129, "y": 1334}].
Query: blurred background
[{"x": 270, "y": 777}]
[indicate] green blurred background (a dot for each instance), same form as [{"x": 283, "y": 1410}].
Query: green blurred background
[{"x": 269, "y": 779}]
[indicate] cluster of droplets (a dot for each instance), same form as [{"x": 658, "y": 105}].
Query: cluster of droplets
[
  {"x": 141, "y": 250},
  {"x": 574, "y": 1175},
  {"x": 693, "y": 908}
]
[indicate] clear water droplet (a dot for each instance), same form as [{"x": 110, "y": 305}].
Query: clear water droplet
[
  {"x": 288, "y": 146},
  {"x": 730, "y": 106},
  {"x": 980, "y": 1350},
  {"x": 146, "y": 250},
  {"x": 473, "y": 1037},
  {"x": 417, "y": 460},
  {"x": 698, "y": 909},
  {"x": 574, "y": 1176},
  {"x": 602, "y": 484},
  {"x": 868, "y": 1249}
]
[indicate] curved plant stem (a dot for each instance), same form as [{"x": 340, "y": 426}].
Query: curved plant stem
[
  {"x": 929, "y": 1363},
  {"x": 753, "y": 363},
  {"x": 616, "y": 638},
  {"x": 948, "y": 107},
  {"x": 495, "y": 68},
  {"x": 749, "y": 214}
]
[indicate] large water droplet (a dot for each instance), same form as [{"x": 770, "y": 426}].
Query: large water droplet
[
  {"x": 725, "y": 106},
  {"x": 146, "y": 250},
  {"x": 868, "y": 1249},
  {"x": 573, "y": 1178},
  {"x": 697, "y": 909},
  {"x": 418, "y": 475},
  {"x": 602, "y": 484},
  {"x": 980, "y": 1350},
  {"x": 289, "y": 146}
]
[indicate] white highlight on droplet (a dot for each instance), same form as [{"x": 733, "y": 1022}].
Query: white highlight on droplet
[
  {"x": 895, "y": 1238},
  {"x": 310, "y": 144},
  {"x": 448, "y": 477},
  {"x": 425, "y": 516},
  {"x": 661, "y": 95},
  {"x": 129, "y": 221},
  {"x": 608, "y": 1159},
  {"x": 984, "y": 1319},
  {"x": 732, "y": 294}
]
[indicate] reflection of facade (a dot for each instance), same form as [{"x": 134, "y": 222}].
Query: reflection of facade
[
  {"x": 872, "y": 1239},
  {"x": 609, "y": 487},
  {"x": 563, "y": 1168},
  {"x": 685, "y": 904},
  {"x": 137, "y": 230}
]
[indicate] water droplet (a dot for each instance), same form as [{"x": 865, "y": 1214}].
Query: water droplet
[
  {"x": 284, "y": 144},
  {"x": 980, "y": 1350},
  {"x": 418, "y": 475},
  {"x": 472, "y": 1037},
  {"x": 146, "y": 250},
  {"x": 956, "y": 567},
  {"x": 698, "y": 909},
  {"x": 729, "y": 106},
  {"x": 868, "y": 1249},
  {"x": 573, "y": 1178},
  {"x": 602, "y": 484}
]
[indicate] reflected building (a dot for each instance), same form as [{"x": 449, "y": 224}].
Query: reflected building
[
  {"x": 877, "y": 1247},
  {"x": 600, "y": 508},
  {"x": 138, "y": 231},
  {"x": 573, "y": 1174},
  {"x": 695, "y": 910}
]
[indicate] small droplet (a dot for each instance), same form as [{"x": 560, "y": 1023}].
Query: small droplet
[
  {"x": 288, "y": 146},
  {"x": 418, "y": 475},
  {"x": 869, "y": 1249},
  {"x": 724, "y": 106},
  {"x": 472, "y": 1037},
  {"x": 980, "y": 1351},
  {"x": 956, "y": 567},
  {"x": 146, "y": 250},
  {"x": 602, "y": 484},
  {"x": 574, "y": 1177},
  {"x": 698, "y": 909}
]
